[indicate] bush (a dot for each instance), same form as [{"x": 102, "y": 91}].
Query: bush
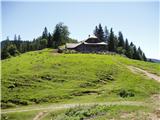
[
  {"x": 81, "y": 112},
  {"x": 24, "y": 102},
  {"x": 124, "y": 93},
  {"x": 7, "y": 105},
  {"x": 19, "y": 102},
  {"x": 4, "y": 117},
  {"x": 120, "y": 50}
]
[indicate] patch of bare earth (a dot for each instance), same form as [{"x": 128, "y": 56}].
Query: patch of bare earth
[
  {"x": 156, "y": 104},
  {"x": 40, "y": 115},
  {"x": 149, "y": 75},
  {"x": 139, "y": 116}
]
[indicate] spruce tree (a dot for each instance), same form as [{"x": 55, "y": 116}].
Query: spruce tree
[
  {"x": 121, "y": 40},
  {"x": 144, "y": 57},
  {"x": 111, "y": 42},
  {"x": 96, "y": 31},
  {"x": 134, "y": 52},
  {"x": 127, "y": 49},
  {"x": 99, "y": 33},
  {"x": 106, "y": 34},
  {"x": 45, "y": 33},
  {"x": 50, "y": 42},
  {"x": 19, "y": 37},
  {"x": 15, "y": 37},
  {"x": 140, "y": 53},
  {"x": 7, "y": 38}
]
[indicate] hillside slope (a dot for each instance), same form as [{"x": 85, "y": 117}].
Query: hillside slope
[{"x": 47, "y": 77}]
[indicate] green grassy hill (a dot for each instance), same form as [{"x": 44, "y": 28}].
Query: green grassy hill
[{"x": 47, "y": 77}]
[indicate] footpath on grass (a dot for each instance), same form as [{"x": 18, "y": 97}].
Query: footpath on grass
[
  {"x": 149, "y": 75},
  {"x": 65, "y": 106}
]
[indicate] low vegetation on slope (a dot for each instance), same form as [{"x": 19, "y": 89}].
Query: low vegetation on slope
[
  {"x": 98, "y": 112},
  {"x": 93, "y": 112},
  {"x": 47, "y": 77}
]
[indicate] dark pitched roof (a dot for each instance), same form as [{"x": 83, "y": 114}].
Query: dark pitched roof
[{"x": 92, "y": 40}]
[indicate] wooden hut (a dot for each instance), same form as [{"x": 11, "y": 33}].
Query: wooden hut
[{"x": 90, "y": 45}]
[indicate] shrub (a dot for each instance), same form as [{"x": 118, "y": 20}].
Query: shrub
[
  {"x": 4, "y": 117},
  {"x": 81, "y": 113},
  {"x": 7, "y": 105},
  {"x": 123, "y": 93},
  {"x": 19, "y": 102},
  {"x": 24, "y": 102}
]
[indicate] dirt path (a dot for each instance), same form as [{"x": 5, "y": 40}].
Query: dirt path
[
  {"x": 149, "y": 75},
  {"x": 40, "y": 115},
  {"x": 63, "y": 106}
]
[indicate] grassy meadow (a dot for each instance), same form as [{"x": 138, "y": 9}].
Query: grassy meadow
[{"x": 45, "y": 77}]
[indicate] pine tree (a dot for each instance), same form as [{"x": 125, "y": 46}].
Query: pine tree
[
  {"x": 137, "y": 53},
  {"x": 7, "y": 38},
  {"x": 99, "y": 33},
  {"x": 140, "y": 53},
  {"x": 19, "y": 37},
  {"x": 96, "y": 31},
  {"x": 50, "y": 41},
  {"x": 111, "y": 41},
  {"x": 15, "y": 37},
  {"x": 131, "y": 50},
  {"x": 144, "y": 57},
  {"x": 121, "y": 40},
  {"x": 127, "y": 49},
  {"x": 43, "y": 43},
  {"x": 134, "y": 52},
  {"x": 45, "y": 33},
  {"x": 106, "y": 34}
]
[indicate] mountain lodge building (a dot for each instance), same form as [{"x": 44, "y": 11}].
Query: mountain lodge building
[{"x": 90, "y": 45}]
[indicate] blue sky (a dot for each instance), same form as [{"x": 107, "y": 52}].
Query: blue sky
[{"x": 138, "y": 21}]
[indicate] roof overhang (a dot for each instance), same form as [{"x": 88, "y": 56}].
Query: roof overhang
[{"x": 100, "y": 43}]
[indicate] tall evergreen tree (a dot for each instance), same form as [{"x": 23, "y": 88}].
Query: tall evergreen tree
[
  {"x": 121, "y": 40},
  {"x": 15, "y": 37},
  {"x": 111, "y": 41},
  {"x": 140, "y": 54},
  {"x": 45, "y": 33},
  {"x": 99, "y": 33},
  {"x": 135, "y": 53},
  {"x": 18, "y": 42},
  {"x": 131, "y": 44},
  {"x": 96, "y": 31},
  {"x": 106, "y": 34},
  {"x": 127, "y": 49},
  {"x": 144, "y": 57},
  {"x": 19, "y": 37},
  {"x": 131, "y": 50},
  {"x": 7, "y": 38},
  {"x": 50, "y": 41}
]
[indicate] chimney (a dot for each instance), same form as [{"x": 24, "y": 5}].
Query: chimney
[{"x": 89, "y": 36}]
